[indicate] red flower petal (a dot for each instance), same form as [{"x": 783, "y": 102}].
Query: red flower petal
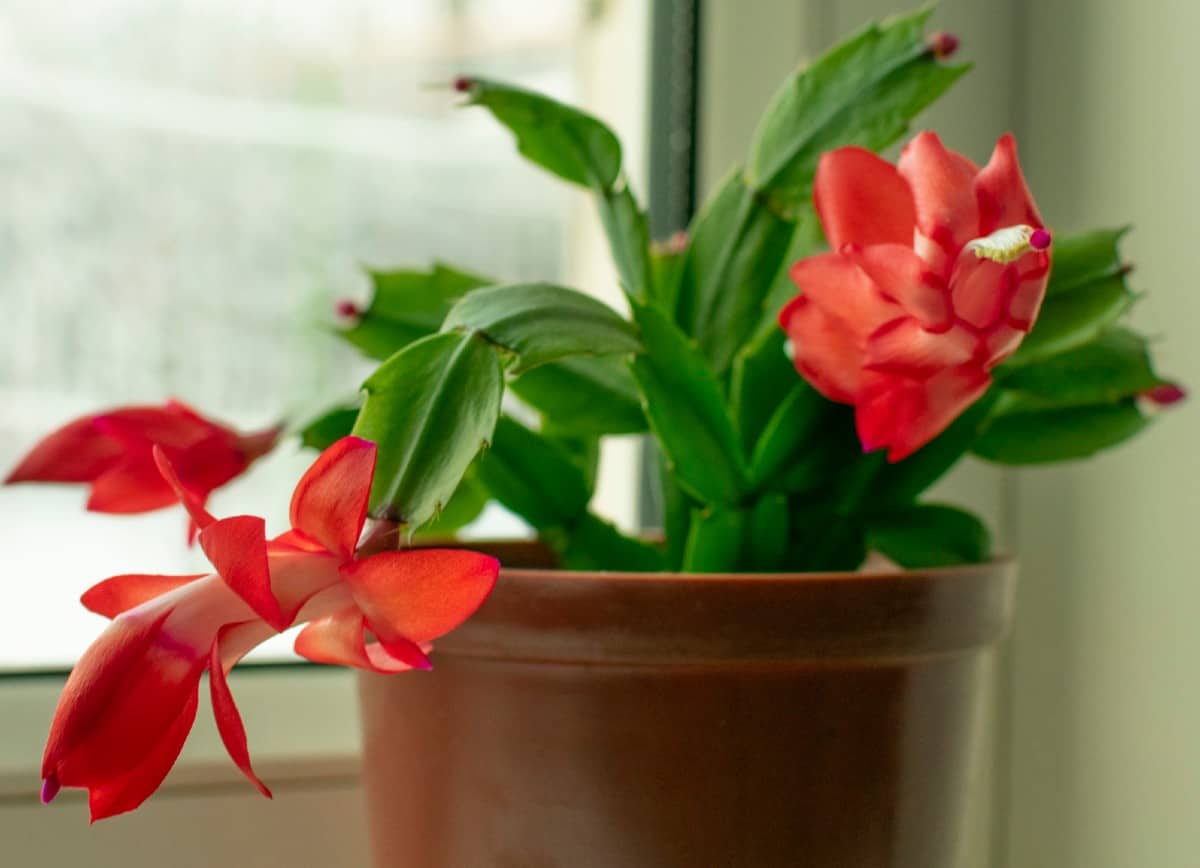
[
  {"x": 419, "y": 594},
  {"x": 77, "y": 452},
  {"x": 237, "y": 549},
  {"x": 904, "y": 277},
  {"x": 903, "y": 347},
  {"x": 192, "y": 501},
  {"x": 123, "y": 714},
  {"x": 330, "y": 502},
  {"x": 229, "y": 721},
  {"x": 1002, "y": 194},
  {"x": 127, "y": 790},
  {"x": 824, "y": 350},
  {"x": 904, "y": 414},
  {"x": 942, "y": 187},
  {"x": 339, "y": 640},
  {"x": 862, "y": 199},
  {"x": 836, "y": 284},
  {"x": 131, "y": 485},
  {"x": 981, "y": 290},
  {"x": 118, "y": 594}
]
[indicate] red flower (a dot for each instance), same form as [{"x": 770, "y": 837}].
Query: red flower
[
  {"x": 938, "y": 272},
  {"x": 129, "y": 703},
  {"x": 113, "y": 451}
]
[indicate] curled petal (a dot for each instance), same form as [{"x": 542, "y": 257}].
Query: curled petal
[
  {"x": 836, "y": 284},
  {"x": 229, "y": 720},
  {"x": 903, "y": 414},
  {"x": 419, "y": 594},
  {"x": 862, "y": 199},
  {"x": 128, "y": 789},
  {"x": 824, "y": 350},
  {"x": 904, "y": 277},
  {"x": 904, "y": 347},
  {"x": 330, "y": 501},
  {"x": 237, "y": 549},
  {"x": 192, "y": 501},
  {"x": 77, "y": 452},
  {"x": 131, "y": 485},
  {"x": 118, "y": 594},
  {"x": 339, "y": 639},
  {"x": 124, "y": 714},
  {"x": 1000, "y": 189},
  {"x": 942, "y": 187}
]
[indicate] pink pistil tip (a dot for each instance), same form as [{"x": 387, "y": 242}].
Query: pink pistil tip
[
  {"x": 942, "y": 44},
  {"x": 1165, "y": 395},
  {"x": 347, "y": 309},
  {"x": 463, "y": 84},
  {"x": 50, "y": 788},
  {"x": 1040, "y": 239}
]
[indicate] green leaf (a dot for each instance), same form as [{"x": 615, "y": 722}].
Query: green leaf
[
  {"x": 686, "y": 410},
  {"x": 328, "y": 428},
  {"x": 863, "y": 92},
  {"x": 584, "y": 449},
  {"x": 822, "y": 540},
  {"x": 533, "y": 477},
  {"x": 1061, "y": 434},
  {"x": 1115, "y": 365},
  {"x": 562, "y": 140},
  {"x": 905, "y": 480},
  {"x": 594, "y": 544},
  {"x": 738, "y": 247},
  {"x": 540, "y": 323},
  {"x": 464, "y": 507},
  {"x": 579, "y": 149},
  {"x": 666, "y": 266},
  {"x": 678, "y": 509},
  {"x": 430, "y": 408},
  {"x": 793, "y": 429},
  {"x": 629, "y": 240},
  {"x": 1082, "y": 259},
  {"x": 763, "y": 376},
  {"x": 1074, "y": 317},
  {"x": 584, "y": 395},
  {"x": 767, "y": 538},
  {"x": 714, "y": 543},
  {"x": 929, "y": 535},
  {"x": 407, "y": 305}
]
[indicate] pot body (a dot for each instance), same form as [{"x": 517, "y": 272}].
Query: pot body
[{"x": 629, "y": 720}]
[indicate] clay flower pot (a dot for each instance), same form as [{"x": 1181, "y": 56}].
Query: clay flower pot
[{"x": 624, "y": 720}]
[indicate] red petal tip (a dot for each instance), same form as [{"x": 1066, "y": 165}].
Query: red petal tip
[
  {"x": 1040, "y": 239},
  {"x": 1165, "y": 395},
  {"x": 942, "y": 44},
  {"x": 50, "y": 788}
]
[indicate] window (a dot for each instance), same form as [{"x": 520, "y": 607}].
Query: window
[{"x": 189, "y": 186}]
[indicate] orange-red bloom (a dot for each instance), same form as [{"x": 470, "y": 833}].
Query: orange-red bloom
[
  {"x": 938, "y": 272},
  {"x": 130, "y": 702},
  {"x": 113, "y": 451}
]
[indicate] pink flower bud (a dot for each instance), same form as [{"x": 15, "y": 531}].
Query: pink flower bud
[
  {"x": 942, "y": 44},
  {"x": 1163, "y": 396},
  {"x": 463, "y": 84},
  {"x": 347, "y": 309}
]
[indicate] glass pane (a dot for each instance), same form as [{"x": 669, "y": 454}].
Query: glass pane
[{"x": 188, "y": 187}]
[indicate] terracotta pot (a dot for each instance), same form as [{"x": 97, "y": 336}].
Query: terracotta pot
[{"x": 627, "y": 720}]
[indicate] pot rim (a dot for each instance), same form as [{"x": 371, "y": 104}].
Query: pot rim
[{"x": 540, "y": 615}]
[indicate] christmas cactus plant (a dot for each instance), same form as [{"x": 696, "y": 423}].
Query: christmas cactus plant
[{"x": 830, "y": 336}]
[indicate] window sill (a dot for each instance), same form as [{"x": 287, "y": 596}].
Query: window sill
[{"x": 301, "y": 721}]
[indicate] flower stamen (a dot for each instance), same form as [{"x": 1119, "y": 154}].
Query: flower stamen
[{"x": 1010, "y": 243}]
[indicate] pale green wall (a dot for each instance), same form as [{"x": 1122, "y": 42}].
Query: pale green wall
[
  {"x": 1106, "y": 711},
  {"x": 1099, "y": 729}
]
